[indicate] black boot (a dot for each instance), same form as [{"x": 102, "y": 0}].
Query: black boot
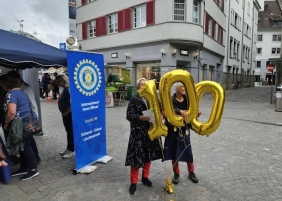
[
  {"x": 193, "y": 177},
  {"x": 132, "y": 189},
  {"x": 146, "y": 182}
]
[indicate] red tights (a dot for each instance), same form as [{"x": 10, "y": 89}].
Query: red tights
[
  {"x": 190, "y": 167},
  {"x": 134, "y": 172}
]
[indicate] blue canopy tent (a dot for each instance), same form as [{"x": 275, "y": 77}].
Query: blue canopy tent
[{"x": 20, "y": 52}]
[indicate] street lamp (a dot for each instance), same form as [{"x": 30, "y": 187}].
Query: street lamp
[{"x": 21, "y": 25}]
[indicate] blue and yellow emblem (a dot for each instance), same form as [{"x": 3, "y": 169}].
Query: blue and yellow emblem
[{"x": 87, "y": 77}]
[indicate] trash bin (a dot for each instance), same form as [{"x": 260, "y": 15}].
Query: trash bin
[{"x": 278, "y": 104}]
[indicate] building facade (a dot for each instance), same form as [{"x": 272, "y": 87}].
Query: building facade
[
  {"x": 268, "y": 43},
  {"x": 212, "y": 39},
  {"x": 239, "y": 68},
  {"x": 154, "y": 37}
]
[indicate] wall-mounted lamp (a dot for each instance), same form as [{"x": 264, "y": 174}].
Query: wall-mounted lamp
[
  {"x": 196, "y": 57},
  {"x": 80, "y": 47},
  {"x": 174, "y": 52},
  {"x": 162, "y": 51},
  {"x": 127, "y": 56}
]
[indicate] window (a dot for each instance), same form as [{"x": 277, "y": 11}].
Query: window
[
  {"x": 273, "y": 50},
  {"x": 276, "y": 38},
  {"x": 91, "y": 29},
  {"x": 278, "y": 51},
  {"x": 258, "y": 50},
  {"x": 258, "y": 64},
  {"x": 244, "y": 47},
  {"x": 195, "y": 11},
  {"x": 248, "y": 8},
  {"x": 236, "y": 20},
  {"x": 179, "y": 10},
  {"x": 231, "y": 19},
  {"x": 238, "y": 49},
  {"x": 112, "y": 23},
  {"x": 235, "y": 49},
  {"x": 140, "y": 16},
  {"x": 89, "y": 1},
  {"x": 259, "y": 37},
  {"x": 210, "y": 27},
  {"x": 231, "y": 43}
]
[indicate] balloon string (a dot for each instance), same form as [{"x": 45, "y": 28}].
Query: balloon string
[{"x": 166, "y": 169}]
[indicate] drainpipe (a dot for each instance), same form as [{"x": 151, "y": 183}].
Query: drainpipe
[
  {"x": 228, "y": 43},
  {"x": 252, "y": 45},
  {"x": 242, "y": 56},
  {"x": 202, "y": 47}
]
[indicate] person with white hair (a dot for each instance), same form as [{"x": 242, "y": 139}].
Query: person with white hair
[
  {"x": 177, "y": 146},
  {"x": 141, "y": 151}
]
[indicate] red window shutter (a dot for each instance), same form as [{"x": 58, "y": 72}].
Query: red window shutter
[
  {"x": 207, "y": 23},
  {"x": 83, "y": 2},
  {"x": 221, "y": 40},
  {"x": 219, "y": 32},
  {"x": 150, "y": 12},
  {"x": 120, "y": 20},
  {"x": 98, "y": 27},
  {"x": 84, "y": 30},
  {"x": 103, "y": 25},
  {"x": 127, "y": 19},
  {"x": 213, "y": 28}
]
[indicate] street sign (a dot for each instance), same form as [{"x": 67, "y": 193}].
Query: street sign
[{"x": 63, "y": 46}]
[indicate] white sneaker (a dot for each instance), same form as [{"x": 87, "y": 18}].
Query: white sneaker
[
  {"x": 64, "y": 152},
  {"x": 69, "y": 154}
]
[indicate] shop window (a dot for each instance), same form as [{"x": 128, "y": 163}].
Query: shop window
[
  {"x": 140, "y": 16},
  {"x": 150, "y": 71},
  {"x": 179, "y": 10}
]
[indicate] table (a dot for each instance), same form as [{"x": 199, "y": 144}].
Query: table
[{"x": 119, "y": 97}]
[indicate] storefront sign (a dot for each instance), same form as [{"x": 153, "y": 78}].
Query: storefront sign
[
  {"x": 114, "y": 55},
  {"x": 87, "y": 89},
  {"x": 184, "y": 52}
]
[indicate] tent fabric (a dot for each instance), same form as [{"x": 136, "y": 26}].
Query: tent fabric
[{"x": 20, "y": 52}]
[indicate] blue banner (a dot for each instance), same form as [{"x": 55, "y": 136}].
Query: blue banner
[{"x": 87, "y": 89}]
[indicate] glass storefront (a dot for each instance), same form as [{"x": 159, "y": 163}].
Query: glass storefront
[{"x": 150, "y": 71}]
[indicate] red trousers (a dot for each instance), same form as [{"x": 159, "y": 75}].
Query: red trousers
[
  {"x": 190, "y": 167},
  {"x": 134, "y": 172}
]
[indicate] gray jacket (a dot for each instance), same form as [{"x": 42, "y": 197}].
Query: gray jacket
[{"x": 15, "y": 139}]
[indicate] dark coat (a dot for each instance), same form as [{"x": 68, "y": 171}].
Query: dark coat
[
  {"x": 140, "y": 148},
  {"x": 177, "y": 143}
]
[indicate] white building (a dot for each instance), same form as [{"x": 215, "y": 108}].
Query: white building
[
  {"x": 268, "y": 39},
  {"x": 240, "y": 43},
  {"x": 212, "y": 39},
  {"x": 154, "y": 37}
]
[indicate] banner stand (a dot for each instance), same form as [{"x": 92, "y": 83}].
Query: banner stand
[
  {"x": 90, "y": 168},
  {"x": 88, "y": 106}
]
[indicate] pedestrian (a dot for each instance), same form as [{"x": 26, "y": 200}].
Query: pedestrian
[
  {"x": 26, "y": 88},
  {"x": 141, "y": 151},
  {"x": 45, "y": 82},
  {"x": 17, "y": 105},
  {"x": 177, "y": 146},
  {"x": 55, "y": 87},
  {"x": 64, "y": 105}
]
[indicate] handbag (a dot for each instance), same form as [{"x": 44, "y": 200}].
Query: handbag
[{"x": 31, "y": 126}]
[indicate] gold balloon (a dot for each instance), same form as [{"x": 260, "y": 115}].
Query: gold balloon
[
  {"x": 149, "y": 92},
  {"x": 217, "y": 108},
  {"x": 169, "y": 186},
  {"x": 165, "y": 93}
]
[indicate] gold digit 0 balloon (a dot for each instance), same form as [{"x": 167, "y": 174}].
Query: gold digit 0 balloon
[
  {"x": 165, "y": 93},
  {"x": 149, "y": 92},
  {"x": 217, "y": 108}
]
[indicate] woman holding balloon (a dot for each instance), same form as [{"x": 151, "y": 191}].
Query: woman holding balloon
[
  {"x": 177, "y": 146},
  {"x": 141, "y": 150}
]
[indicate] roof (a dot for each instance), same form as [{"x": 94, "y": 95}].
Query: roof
[{"x": 272, "y": 12}]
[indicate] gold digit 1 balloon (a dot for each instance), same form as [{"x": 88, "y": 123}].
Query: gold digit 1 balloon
[
  {"x": 217, "y": 108},
  {"x": 149, "y": 92},
  {"x": 165, "y": 93}
]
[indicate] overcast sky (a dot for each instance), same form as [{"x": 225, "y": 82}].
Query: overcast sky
[{"x": 48, "y": 18}]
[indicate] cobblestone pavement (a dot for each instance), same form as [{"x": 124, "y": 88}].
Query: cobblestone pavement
[{"x": 240, "y": 161}]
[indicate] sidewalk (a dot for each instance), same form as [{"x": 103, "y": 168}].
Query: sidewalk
[{"x": 240, "y": 161}]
